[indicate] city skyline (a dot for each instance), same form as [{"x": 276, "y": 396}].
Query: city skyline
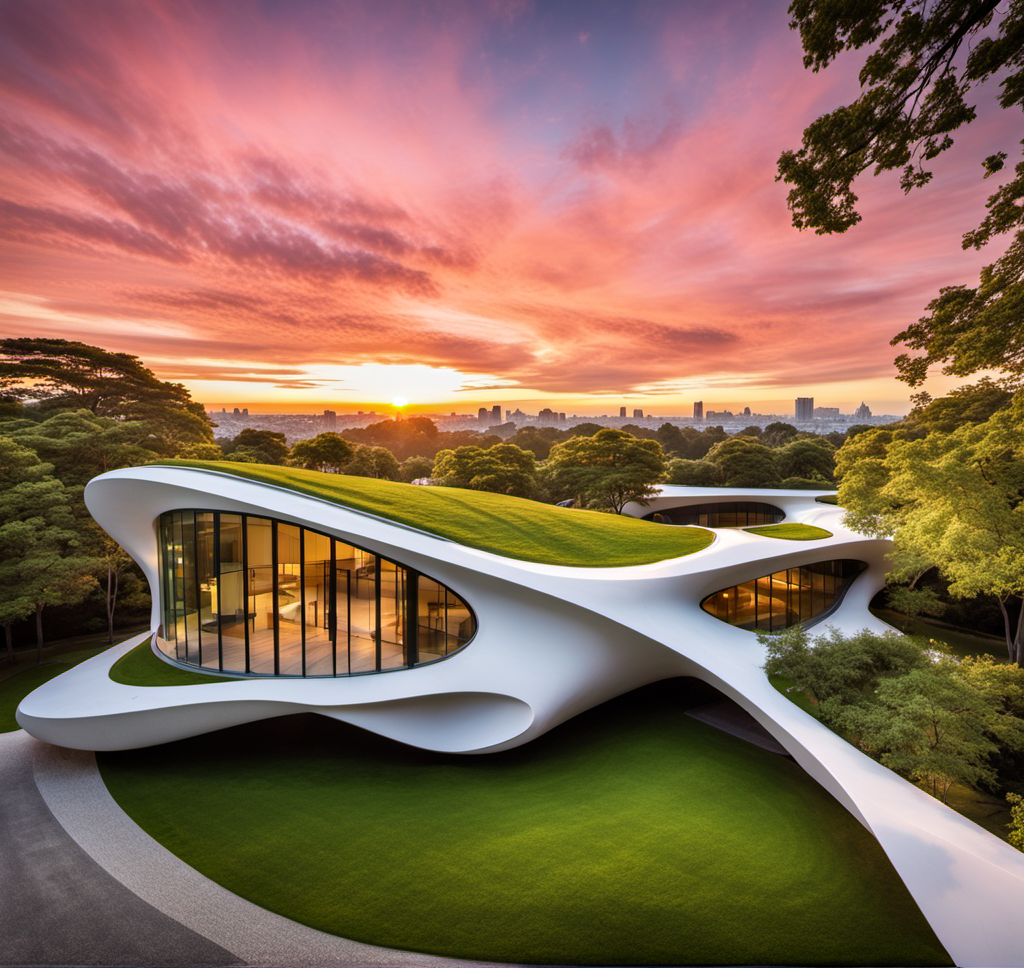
[{"x": 551, "y": 204}]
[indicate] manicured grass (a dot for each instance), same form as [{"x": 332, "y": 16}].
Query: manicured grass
[
  {"x": 141, "y": 668},
  {"x": 631, "y": 835},
  {"x": 791, "y": 532},
  {"x": 789, "y": 689},
  {"x": 15, "y": 688},
  {"x": 509, "y": 526}
]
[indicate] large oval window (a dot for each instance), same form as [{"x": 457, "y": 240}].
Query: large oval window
[
  {"x": 784, "y": 598},
  {"x": 255, "y": 596},
  {"x": 720, "y": 514}
]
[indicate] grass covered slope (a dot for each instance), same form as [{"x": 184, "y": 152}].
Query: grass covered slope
[
  {"x": 141, "y": 668},
  {"x": 632, "y": 835},
  {"x": 791, "y": 531},
  {"x": 509, "y": 526}
]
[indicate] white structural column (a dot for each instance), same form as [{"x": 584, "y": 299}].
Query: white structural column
[{"x": 551, "y": 642}]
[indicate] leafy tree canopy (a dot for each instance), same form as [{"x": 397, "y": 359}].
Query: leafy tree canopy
[
  {"x": 369, "y": 461},
  {"x": 503, "y": 469},
  {"x": 928, "y": 58},
  {"x": 812, "y": 458},
  {"x": 954, "y": 501},
  {"x": 70, "y": 375},
  {"x": 693, "y": 473},
  {"x": 744, "y": 462},
  {"x": 325, "y": 452},
  {"x": 258, "y": 447},
  {"x": 607, "y": 470}
]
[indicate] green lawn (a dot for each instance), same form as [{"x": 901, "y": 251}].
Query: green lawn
[
  {"x": 509, "y": 526},
  {"x": 792, "y": 532},
  {"x": 141, "y": 668},
  {"x": 16, "y": 687},
  {"x": 631, "y": 835}
]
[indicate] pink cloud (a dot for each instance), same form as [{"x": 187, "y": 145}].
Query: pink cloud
[{"x": 368, "y": 183}]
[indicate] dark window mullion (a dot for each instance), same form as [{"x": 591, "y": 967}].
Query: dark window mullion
[
  {"x": 273, "y": 598},
  {"x": 302, "y": 594},
  {"x": 245, "y": 587}
]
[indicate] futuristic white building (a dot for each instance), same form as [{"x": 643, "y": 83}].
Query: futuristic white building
[{"x": 304, "y": 604}]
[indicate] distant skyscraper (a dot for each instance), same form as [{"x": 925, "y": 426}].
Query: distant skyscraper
[
  {"x": 496, "y": 414},
  {"x": 698, "y": 410},
  {"x": 863, "y": 411},
  {"x": 638, "y": 414},
  {"x": 483, "y": 415},
  {"x": 330, "y": 421},
  {"x": 746, "y": 411},
  {"x": 804, "y": 408},
  {"x": 622, "y": 411}
]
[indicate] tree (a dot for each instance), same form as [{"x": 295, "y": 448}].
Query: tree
[
  {"x": 503, "y": 468},
  {"x": 376, "y": 462},
  {"x": 929, "y": 717},
  {"x": 537, "y": 440},
  {"x": 43, "y": 559},
  {"x": 258, "y": 447},
  {"x": 81, "y": 445},
  {"x": 1016, "y": 837},
  {"x": 744, "y": 462},
  {"x": 415, "y": 468},
  {"x": 609, "y": 469},
  {"x": 328, "y": 452},
  {"x": 914, "y": 90},
  {"x": 693, "y": 473},
  {"x": 809, "y": 457},
  {"x": 952, "y": 501},
  {"x": 931, "y": 725},
  {"x": 70, "y": 375},
  {"x": 838, "y": 670},
  {"x": 779, "y": 433}
]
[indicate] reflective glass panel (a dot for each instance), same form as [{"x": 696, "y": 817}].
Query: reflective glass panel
[
  {"x": 777, "y": 601},
  {"x": 255, "y": 596}
]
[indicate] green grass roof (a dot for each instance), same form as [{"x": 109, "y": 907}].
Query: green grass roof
[
  {"x": 508, "y": 526},
  {"x": 791, "y": 531}
]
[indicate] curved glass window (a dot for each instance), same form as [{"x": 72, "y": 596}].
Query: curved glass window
[
  {"x": 257, "y": 596},
  {"x": 721, "y": 514},
  {"x": 784, "y": 598}
]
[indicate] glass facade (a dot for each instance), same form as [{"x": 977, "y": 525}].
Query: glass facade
[
  {"x": 721, "y": 514},
  {"x": 252, "y": 595},
  {"x": 777, "y": 601}
]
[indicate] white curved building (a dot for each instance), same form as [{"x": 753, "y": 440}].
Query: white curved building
[{"x": 303, "y": 604}]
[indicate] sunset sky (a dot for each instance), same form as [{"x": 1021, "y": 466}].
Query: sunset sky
[{"x": 295, "y": 205}]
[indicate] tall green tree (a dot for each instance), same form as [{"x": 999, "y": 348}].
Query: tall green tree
[
  {"x": 744, "y": 462},
  {"x": 809, "y": 457},
  {"x": 61, "y": 374},
  {"x": 369, "y": 461},
  {"x": 607, "y": 470},
  {"x": 44, "y": 558},
  {"x": 503, "y": 469},
  {"x": 952, "y": 501},
  {"x": 258, "y": 447},
  {"x": 325, "y": 452},
  {"x": 81, "y": 445},
  {"x": 933, "y": 726},
  {"x": 929, "y": 59}
]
